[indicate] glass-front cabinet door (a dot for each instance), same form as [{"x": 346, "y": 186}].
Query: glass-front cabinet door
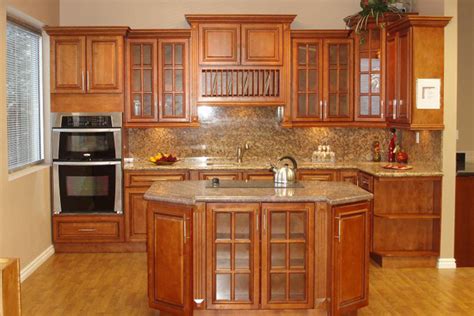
[
  {"x": 173, "y": 88},
  {"x": 370, "y": 76},
  {"x": 143, "y": 97},
  {"x": 233, "y": 256},
  {"x": 338, "y": 80},
  {"x": 287, "y": 255}
]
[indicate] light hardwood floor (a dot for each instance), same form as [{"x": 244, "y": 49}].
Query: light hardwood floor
[{"x": 115, "y": 284}]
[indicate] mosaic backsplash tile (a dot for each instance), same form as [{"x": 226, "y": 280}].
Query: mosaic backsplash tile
[{"x": 223, "y": 129}]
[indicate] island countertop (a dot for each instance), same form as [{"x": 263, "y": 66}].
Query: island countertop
[{"x": 191, "y": 192}]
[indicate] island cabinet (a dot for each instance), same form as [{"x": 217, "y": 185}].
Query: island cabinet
[{"x": 87, "y": 71}]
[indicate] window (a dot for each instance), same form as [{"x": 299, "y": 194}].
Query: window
[{"x": 24, "y": 97}]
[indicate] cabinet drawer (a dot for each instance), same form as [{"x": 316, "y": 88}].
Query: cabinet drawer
[
  {"x": 366, "y": 181},
  {"x": 88, "y": 229},
  {"x": 258, "y": 175},
  {"x": 315, "y": 175},
  {"x": 221, "y": 175},
  {"x": 348, "y": 176},
  {"x": 147, "y": 179}
]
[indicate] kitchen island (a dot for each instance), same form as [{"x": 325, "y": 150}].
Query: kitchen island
[{"x": 248, "y": 245}]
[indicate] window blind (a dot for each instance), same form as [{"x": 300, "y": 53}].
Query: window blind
[{"x": 24, "y": 104}]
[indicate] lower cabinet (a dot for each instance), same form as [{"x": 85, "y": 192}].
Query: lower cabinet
[
  {"x": 316, "y": 175},
  {"x": 169, "y": 253},
  {"x": 350, "y": 258},
  {"x": 87, "y": 228}
]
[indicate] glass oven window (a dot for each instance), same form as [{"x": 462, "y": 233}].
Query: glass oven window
[
  {"x": 87, "y": 186},
  {"x": 87, "y": 146}
]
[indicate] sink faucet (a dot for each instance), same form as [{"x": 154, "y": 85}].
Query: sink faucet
[{"x": 241, "y": 151}]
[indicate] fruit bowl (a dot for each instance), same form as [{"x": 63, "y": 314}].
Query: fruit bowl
[{"x": 163, "y": 159}]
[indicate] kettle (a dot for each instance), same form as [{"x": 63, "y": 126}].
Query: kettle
[{"x": 285, "y": 174}]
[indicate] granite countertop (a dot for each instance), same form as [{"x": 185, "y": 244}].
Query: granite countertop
[
  {"x": 467, "y": 171},
  {"x": 373, "y": 168},
  {"x": 190, "y": 192}
]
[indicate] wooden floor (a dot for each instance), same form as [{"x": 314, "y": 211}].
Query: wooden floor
[{"x": 115, "y": 284}]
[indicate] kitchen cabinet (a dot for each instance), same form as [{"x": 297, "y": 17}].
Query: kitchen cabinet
[
  {"x": 316, "y": 175},
  {"x": 348, "y": 176},
  {"x": 323, "y": 77},
  {"x": 219, "y": 44},
  {"x": 219, "y": 174},
  {"x": 87, "y": 68},
  {"x": 262, "y": 44},
  {"x": 170, "y": 261},
  {"x": 350, "y": 271},
  {"x": 258, "y": 175},
  {"x": 415, "y": 50},
  {"x": 88, "y": 228}
]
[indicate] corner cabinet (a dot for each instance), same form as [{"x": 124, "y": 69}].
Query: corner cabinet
[
  {"x": 158, "y": 92},
  {"x": 87, "y": 68}
]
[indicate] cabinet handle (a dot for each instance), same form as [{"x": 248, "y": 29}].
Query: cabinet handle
[
  {"x": 257, "y": 220},
  {"x": 184, "y": 230},
  {"x": 87, "y": 230},
  {"x": 87, "y": 79},
  {"x": 394, "y": 109},
  {"x": 264, "y": 220},
  {"x": 325, "y": 109},
  {"x": 382, "y": 109},
  {"x": 321, "y": 109},
  {"x": 83, "y": 87},
  {"x": 339, "y": 232}
]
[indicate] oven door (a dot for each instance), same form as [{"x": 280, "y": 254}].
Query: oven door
[
  {"x": 87, "y": 187},
  {"x": 86, "y": 144}
]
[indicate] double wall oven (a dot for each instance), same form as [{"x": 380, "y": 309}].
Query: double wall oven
[{"x": 87, "y": 165}]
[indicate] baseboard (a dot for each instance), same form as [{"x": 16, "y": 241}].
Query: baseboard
[
  {"x": 446, "y": 263},
  {"x": 36, "y": 263}
]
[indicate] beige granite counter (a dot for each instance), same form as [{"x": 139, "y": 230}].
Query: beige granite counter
[
  {"x": 373, "y": 168},
  {"x": 190, "y": 192}
]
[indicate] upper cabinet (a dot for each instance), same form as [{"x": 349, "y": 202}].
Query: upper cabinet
[
  {"x": 87, "y": 68},
  {"x": 240, "y": 59}
]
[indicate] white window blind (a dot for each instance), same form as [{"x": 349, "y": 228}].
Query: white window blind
[{"x": 24, "y": 104}]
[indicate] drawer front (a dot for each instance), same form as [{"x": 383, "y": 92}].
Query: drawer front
[
  {"x": 147, "y": 179},
  {"x": 220, "y": 175},
  {"x": 258, "y": 175},
  {"x": 366, "y": 182},
  {"x": 88, "y": 230},
  {"x": 317, "y": 176},
  {"x": 348, "y": 176}
]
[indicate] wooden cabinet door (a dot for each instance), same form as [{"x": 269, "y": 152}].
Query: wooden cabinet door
[
  {"x": 370, "y": 75},
  {"x": 316, "y": 175},
  {"x": 307, "y": 87},
  {"x": 142, "y": 81},
  {"x": 233, "y": 256},
  {"x": 262, "y": 44},
  {"x": 350, "y": 258},
  {"x": 135, "y": 214},
  {"x": 287, "y": 256},
  {"x": 348, "y": 176},
  {"x": 169, "y": 248},
  {"x": 68, "y": 64},
  {"x": 104, "y": 64},
  {"x": 174, "y": 80},
  {"x": 338, "y": 80},
  {"x": 404, "y": 76},
  {"x": 392, "y": 81},
  {"x": 219, "y": 44}
]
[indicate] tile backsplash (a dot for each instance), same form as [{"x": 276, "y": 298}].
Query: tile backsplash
[{"x": 223, "y": 129}]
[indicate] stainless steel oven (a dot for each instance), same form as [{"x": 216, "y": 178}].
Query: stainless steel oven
[{"x": 87, "y": 136}]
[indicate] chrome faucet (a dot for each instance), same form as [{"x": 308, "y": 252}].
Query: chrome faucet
[{"x": 241, "y": 151}]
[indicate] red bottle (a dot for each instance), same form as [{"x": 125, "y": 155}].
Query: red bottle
[{"x": 392, "y": 145}]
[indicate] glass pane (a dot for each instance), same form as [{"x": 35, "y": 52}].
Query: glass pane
[
  {"x": 137, "y": 81},
  {"x": 178, "y": 104},
  {"x": 302, "y": 80},
  {"x": 242, "y": 226},
  {"x": 298, "y": 225},
  {"x": 278, "y": 256},
  {"x": 313, "y": 55},
  {"x": 333, "y": 54},
  {"x": 137, "y": 104},
  {"x": 313, "y": 104},
  {"x": 222, "y": 225},
  {"x": 375, "y": 83},
  {"x": 147, "y": 80},
  {"x": 277, "y": 286},
  {"x": 147, "y": 100},
  {"x": 147, "y": 55},
  {"x": 302, "y": 54},
  {"x": 313, "y": 80},
  {"x": 223, "y": 256},
  {"x": 333, "y": 80},
  {"x": 223, "y": 287},
  {"x": 168, "y": 52},
  {"x": 168, "y": 80},
  {"x": 178, "y": 54},
  {"x": 278, "y": 225},
  {"x": 136, "y": 52},
  {"x": 301, "y": 104},
  {"x": 178, "y": 85},
  {"x": 364, "y": 105},
  {"x": 242, "y": 256},
  {"x": 364, "y": 62},
  {"x": 343, "y": 54},
  {"x": 375, "y": 39},
  {"x": 375, "y": 60},
  {"x": 364, "y": 83},
  {"x": 333, "y": 105},
  {"x": 376, "y": 105},
  {"x": 297, "y": 287},
  {"x": 297, "y": 255},
  {"x": 343, "y": 80},
  {"x": 343, "y": 105},
  {"x": 242, "y": 287}
]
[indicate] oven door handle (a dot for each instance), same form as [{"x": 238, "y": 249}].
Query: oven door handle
[
  {"x": 86, "y": 130},
  {"x": 86, "y": 163}
]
